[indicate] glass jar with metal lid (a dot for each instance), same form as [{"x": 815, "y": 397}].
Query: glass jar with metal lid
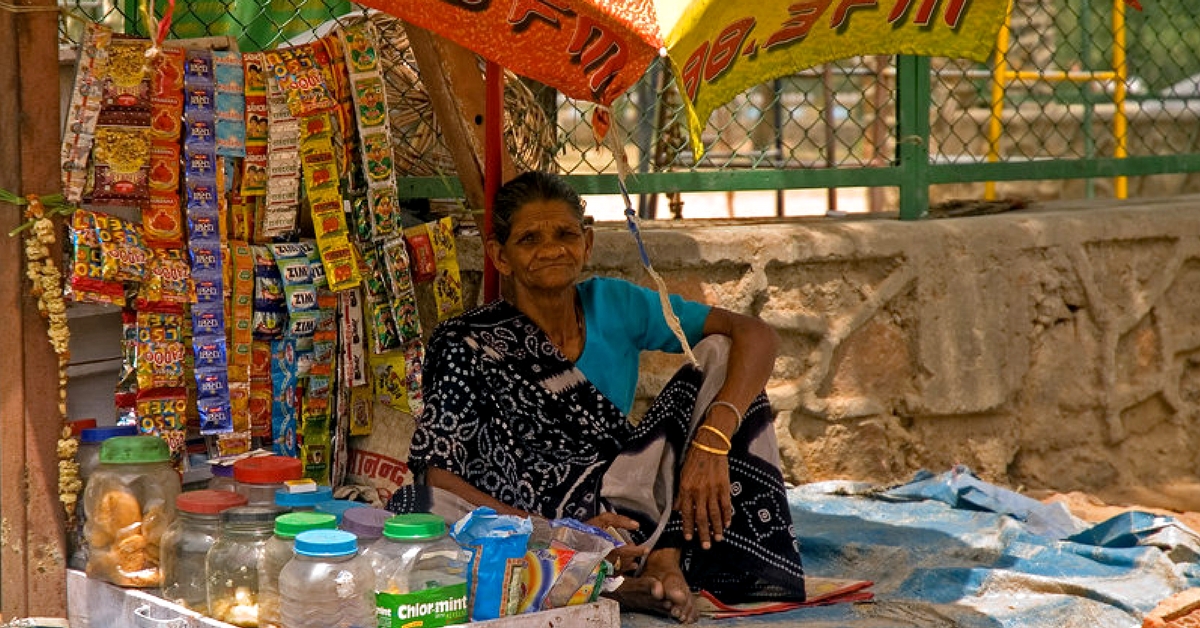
[
  {"x": 129, "y": 502},
  {"x": 186, "y": 543},
  {"x": 232, "y": 565},
  {"x": 278, "y": 552}
]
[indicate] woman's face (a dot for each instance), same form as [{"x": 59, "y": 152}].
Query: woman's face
[{"x": 546, "y": 248}]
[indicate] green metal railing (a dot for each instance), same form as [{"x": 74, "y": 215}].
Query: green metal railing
[{"x": 905, "y": 123}]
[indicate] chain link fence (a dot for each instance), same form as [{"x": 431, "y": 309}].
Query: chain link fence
[{"x": 1055, "y": 104}]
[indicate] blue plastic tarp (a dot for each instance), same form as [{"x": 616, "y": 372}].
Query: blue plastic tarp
[{"x": 964, "y": 555}]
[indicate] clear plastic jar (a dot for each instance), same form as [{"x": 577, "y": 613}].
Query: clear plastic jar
[
  {"x": 186, "y": 543},
  {"x": 327, "y": 584},
  {"x": 88, "y": 457},
  {"x": 306, "y": 500},
  {"x": 232, "y": 565},
  {"x": 129, "y": 502},
  {"x": 420, "y": 572},
  {"x": 222, "y": 478},
  {"x": 258, "y": 477},
  {"x": 278, "y": 552},
  {"x": 365, "y": 523}
]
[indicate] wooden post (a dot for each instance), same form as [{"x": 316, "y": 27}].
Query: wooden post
[
  {"x": 32, "y": 539},
  {"x": 451, "y": 76}
]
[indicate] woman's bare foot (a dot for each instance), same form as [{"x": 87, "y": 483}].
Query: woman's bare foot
[{"x": 661, "y": 589}]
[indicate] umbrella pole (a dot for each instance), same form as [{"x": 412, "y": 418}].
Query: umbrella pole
[{"x": 493, "y": 130}]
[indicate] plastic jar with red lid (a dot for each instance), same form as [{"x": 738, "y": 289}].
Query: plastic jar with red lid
[
  {"x": 187, "y": 541},
  {"x": 258, "y": 477}
]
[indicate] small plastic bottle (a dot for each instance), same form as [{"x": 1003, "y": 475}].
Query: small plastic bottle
[
  {"x": 420, "y": 573},
  {"x": 232, "y": 565},
  {"x": 278, "y": 552},
  {"x": 327, "y": 584},
  {"x": 186, "y": 542},
  {"x": 258, "y": 477}
]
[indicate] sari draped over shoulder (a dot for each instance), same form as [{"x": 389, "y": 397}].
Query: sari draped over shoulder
[{"x": 508, "y": 413}]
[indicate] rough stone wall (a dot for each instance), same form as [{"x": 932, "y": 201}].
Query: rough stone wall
[{"x": 1054, "y": 348}]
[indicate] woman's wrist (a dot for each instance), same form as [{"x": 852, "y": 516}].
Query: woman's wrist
[{"x": 723, "y": 416}]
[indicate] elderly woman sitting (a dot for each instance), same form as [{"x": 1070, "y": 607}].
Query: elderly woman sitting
[{"x": 527, "y": 405}]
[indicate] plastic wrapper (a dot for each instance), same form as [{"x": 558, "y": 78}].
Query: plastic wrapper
[
  {"x": 568, "y": 567},
  {"x": 87, "y": 283},
  {"x": 83, "y": 111},
  {"x": 388, "y": 371},
  {"x": 496, "y": 545},
  {"x": 230, "y": 104}
]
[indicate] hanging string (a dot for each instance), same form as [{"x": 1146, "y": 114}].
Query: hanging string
[
  {"x": 612, "y": 133},
  {"x": 158, "y": 29}
]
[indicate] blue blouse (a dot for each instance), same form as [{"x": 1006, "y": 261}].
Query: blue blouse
[{"x": 623, "y": 319}]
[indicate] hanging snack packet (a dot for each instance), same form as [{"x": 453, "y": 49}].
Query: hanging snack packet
[
  {"x": 163, "y": 413},
  {"x": 160, "y": 349},
  {"x": 496, "y": 544},
  {"x": 123, "y": 253},
  {"x": 403, "y": 296},
  {"x": 230, "y": 105},
  {"x": 270, "y": 311},
  {"x": 125, "y": 397},
  {"x": 88, "y": 284},
  {"x": 83, "y": 112},
  {"x": 420, "y": 247},
  {"x": 352, "y": 336},
  {"x": 447, "y": 286},
  {"x": 414, "y": 358},
  {"x": 283, "y": 397},
  {"x": 387, "y": 370}
]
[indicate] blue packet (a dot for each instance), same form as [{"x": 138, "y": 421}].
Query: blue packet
[{"x": 496, "y": 545}]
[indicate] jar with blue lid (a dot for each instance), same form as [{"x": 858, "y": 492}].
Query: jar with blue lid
[
  {"x": 327, "y": 584},
  {"x": 302, "y": 500}
]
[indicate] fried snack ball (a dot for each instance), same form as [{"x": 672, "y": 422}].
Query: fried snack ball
[{"x": 116, "y": 513}]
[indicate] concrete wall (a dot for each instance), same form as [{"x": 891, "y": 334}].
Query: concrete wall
[{"x": 1053, "y": 348}]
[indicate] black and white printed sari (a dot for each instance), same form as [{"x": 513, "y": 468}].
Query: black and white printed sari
[{"x": 507, "y": 412}]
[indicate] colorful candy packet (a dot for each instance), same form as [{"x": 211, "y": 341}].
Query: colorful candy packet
[
  {"x": 325, "y": 203},
  {"x": 270, "y": 309},
  {"x": 414, "y": 360},
  {"x": 387, "y": 371},
  {"x": 162, "y": 217},
  {"x": 567, "y": 568},
  {"x": 352, "y": 338},
  {"x": 254, "y": 167},
  {"x": 447, "y": 286},
  {"x": 123, "y": 252},
  {"x": 87, "y": 282},
  {"x": 168, "y": 279},
  {"x": 125, "y": 394},
  {"x": 300, "y": 298},
  {"x": 284, "y": 400},
  {"x": 402, "y": 295},
  {"x": 260, "y": 389},
  {"x": 370, "y": 108},
  {"x": 281, "y": 206},
  {"x": 83, "y": 112},
  {"x": 230, "y": 103}
]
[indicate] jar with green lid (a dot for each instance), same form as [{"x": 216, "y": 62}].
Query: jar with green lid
[
  {"x": 186, "y": 543},
  {"x": 278, "y": 552},
  {"x": 233, "y": 564},
  {"x": 327, "y": 584},
  {"x": 420, "y": 573},
  {"x": 88, "y": 457},
  {"x": 129, "y": 503}
]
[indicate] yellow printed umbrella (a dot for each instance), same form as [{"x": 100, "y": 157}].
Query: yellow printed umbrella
[{"x": 596, "y": 49}]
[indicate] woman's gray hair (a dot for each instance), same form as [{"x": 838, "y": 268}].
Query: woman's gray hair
[{"x": 527, "y": 188}]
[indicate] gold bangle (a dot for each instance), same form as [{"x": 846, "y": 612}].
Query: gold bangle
[
  {"x": 711, "y": 450},
  {"x": 736, "y": 412},
  {"x": 719, "y": 433}
]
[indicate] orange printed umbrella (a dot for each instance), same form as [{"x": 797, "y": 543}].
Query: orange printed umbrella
[{"x": 595, "y": 50}]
